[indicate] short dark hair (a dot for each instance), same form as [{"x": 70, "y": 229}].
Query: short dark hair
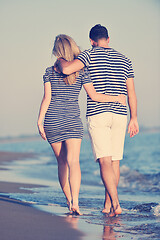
[{"x": 97, "y": 32}]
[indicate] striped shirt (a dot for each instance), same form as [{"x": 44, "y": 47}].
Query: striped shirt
[{"x": 109, "y": 71}]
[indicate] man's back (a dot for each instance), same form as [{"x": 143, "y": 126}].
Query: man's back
[{"x": 109, "y": 71}]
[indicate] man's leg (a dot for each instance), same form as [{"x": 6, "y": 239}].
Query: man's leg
[
  {"x": 110, "y": 182},
  {"x": 118, "y": 130},
  {"x": 100, "y": 129},
  {"x": 107, "y": 202}
]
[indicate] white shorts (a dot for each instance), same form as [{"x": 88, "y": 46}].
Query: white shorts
[{"x": 107, "y": 132}]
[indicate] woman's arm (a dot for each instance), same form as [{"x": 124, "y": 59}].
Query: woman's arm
[
  {"x": 99, "y": 97},
  {"x": 43, "y": 108}
]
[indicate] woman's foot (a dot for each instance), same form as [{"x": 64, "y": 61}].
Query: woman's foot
[{"x": 76, "y": 211}]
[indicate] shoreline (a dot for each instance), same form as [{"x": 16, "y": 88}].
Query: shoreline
[
  {"x": 139, "y": 218},
  {"x": 20, "y": 220}
]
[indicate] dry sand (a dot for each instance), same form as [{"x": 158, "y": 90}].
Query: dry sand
[{"x": 20, "y": 221}]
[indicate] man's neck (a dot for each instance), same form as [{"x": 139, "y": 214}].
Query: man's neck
[{"x": 103, "y": 43}]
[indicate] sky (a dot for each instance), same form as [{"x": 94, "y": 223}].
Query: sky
[{"x": 28, "y": 29}]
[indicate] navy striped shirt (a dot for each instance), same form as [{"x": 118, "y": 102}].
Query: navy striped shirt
[{"x": 109, "y": 71}]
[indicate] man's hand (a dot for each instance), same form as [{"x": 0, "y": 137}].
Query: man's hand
[
  {"x": 56, "y": 66},
  {"x": 68, "y": 68},
  {"x": 133, "y": 127}
]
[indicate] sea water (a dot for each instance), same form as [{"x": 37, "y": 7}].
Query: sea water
[{"x": 139, "y": 187}]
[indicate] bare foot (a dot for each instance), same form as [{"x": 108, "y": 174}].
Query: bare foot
[
  {"x": 105, "y": 211},
  {"x": 118, "y": 210},
  {"x": 76, "y": 211},
  {"x": 112, "y": 214},
  {"x": 115, "y": 212},
  {"x": 69, "y": 204},
  {"x": 107, "y": 207}
]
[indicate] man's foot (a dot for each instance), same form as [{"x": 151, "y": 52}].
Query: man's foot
[
  {"x": 69, "y": 204},
  {"x": 107, "y": 207},
  {"x": 111, "y": 214},
  {"x": 115, "y": 212},
  {"x": 105, "y": 211},
  {"x": 76, "y": 211},
  {"x": 118, "y": 210}
]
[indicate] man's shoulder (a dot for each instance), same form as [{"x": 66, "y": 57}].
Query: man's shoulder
[
  {"x": 84, "y": 57},
  {"x": 87, "y": 51},
  {"x": 106, "y": 51},
  {"x": 120, "y": 55}
]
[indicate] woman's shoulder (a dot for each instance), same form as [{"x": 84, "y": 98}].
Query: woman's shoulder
[
  {"x": 84, "y": 71},
  {"x": 85, "y": 75},
  {"x": 49, "y": 69}
]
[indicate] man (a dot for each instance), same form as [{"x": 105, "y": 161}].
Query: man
[{"x": 111, "y": 73}]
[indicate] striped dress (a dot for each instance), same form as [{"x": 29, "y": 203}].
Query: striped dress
[
  {"x": 109, "y": 71},
  {"x": 62, "y": 119}
]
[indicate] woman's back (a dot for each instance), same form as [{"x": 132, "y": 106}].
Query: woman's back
[
  {"x": 62, "y": 119},
  {"x": 59, "y": 89}
]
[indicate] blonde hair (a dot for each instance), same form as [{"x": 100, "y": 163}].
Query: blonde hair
[{"x": 66, "y": 48}]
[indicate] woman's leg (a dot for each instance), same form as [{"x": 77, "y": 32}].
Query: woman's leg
[
  {"x": 63, "y": 171},
  {"x": 73, "y": 152}
]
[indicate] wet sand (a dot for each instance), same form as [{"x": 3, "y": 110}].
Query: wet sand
[{"x": 19, "y": 220}]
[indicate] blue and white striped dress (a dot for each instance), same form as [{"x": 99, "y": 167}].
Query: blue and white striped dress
[{"x": 62, "y": 119}]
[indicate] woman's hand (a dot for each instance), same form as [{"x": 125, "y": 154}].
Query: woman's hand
[
  {"x": 121, "y": 99},
  {"x": 41, "y": 131}
]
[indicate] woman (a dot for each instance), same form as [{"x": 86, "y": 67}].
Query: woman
[{"x": 62, "y": 124}]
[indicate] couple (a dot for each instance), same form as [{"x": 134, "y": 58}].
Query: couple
[{"x": 107, "y": 77}]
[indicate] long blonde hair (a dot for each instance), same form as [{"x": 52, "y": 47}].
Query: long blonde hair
[{"x": 65, "y": 47}]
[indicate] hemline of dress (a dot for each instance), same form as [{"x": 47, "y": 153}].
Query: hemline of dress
[{"x": 64, "y": 139}]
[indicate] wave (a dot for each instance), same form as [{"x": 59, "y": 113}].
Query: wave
[
  {"x": 133, "y": 179},
  {"x": 152, "y": 207},
  {"x": 156, "y": 210}
]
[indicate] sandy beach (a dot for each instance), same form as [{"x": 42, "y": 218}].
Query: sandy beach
[
  {"x": 19, "y": 220},
  {"x": 32, "y": 205}
]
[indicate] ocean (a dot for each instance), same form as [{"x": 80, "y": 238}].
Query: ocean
[{"x": 139, "y": 187}]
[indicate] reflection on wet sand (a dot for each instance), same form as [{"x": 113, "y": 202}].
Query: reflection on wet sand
[
  {"x": 109, "y": 226},
  {"x": 73, "y": 220},
  {"x": 108, "y": 230}
]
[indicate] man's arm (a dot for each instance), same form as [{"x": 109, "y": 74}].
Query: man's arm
[
  {"x": 133, "y": 127},
  {"x": 69, "y": 67}
]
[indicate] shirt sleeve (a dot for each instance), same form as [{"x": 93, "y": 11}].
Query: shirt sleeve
[
  {"x": 84, "y": 57},
  {"x": 130, "y": 70},
  {"x": 46, "y": 76},
  {"x": 85, "y": 76}
]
